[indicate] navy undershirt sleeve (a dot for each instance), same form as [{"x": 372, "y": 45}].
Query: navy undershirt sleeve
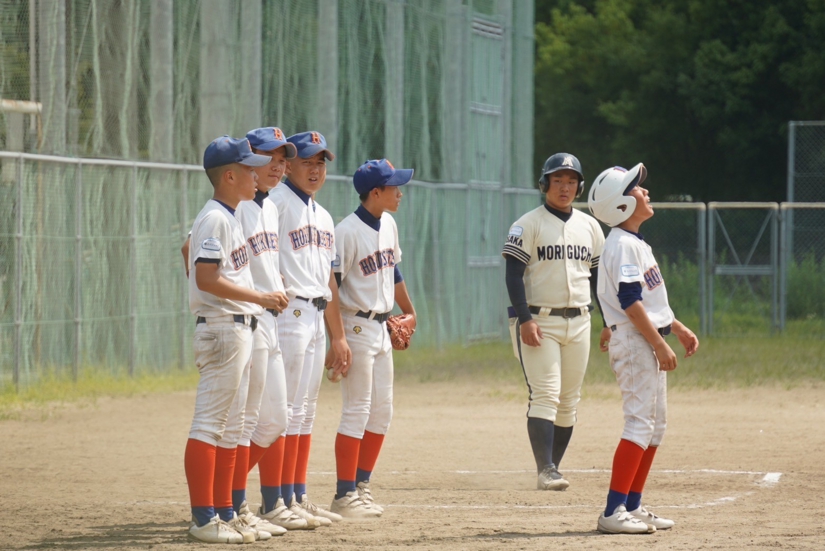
[
  {"x": 629, "y": 293},
  {"x": 397, "y": 274},
  {"x": 338, "y": 278},
  {"x": 594, "y": 290},
  {"x": 514, "y": 278}
]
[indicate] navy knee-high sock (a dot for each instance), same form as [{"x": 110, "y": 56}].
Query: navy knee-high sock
[
  {"x": 561, "y": 438},
  {"x": 541, "y": 433}
]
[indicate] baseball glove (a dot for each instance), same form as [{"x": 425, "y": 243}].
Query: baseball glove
[{"x": 401, "y": 330}]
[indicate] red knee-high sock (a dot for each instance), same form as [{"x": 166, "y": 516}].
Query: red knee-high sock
[
  {"x": 625, "y": 465},
  {"x": 199, "y": 464},
  {"x": 346, "y": 462},
  {"x": 302, "y": 465},
  {"x": 255, "y": 454},
  {"x": 241, "y": 468},
  {"x": 224, "y": 471},
  {"x": 644, "y": 468},
  {"x": 271, "y": 465},
  {"x": 370, "y": 448}
]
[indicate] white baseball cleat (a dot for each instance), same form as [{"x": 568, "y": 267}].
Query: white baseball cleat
[
  {"x": 364, "y": 493},
  {"x": 551, "y": 479},
  {"x": 649, "y": 518},
  {"x": 316, "y": 511},
  {"x": 258, "y": 523},
  {"x": 310, "y": 518},
  {"x": 250, "y": 535},
  {"x": 352, "y": 506},
  {"x": 283, "y": 516},
  {"x": 622, "y": 522},
  {"x": 214, "y": 531}
]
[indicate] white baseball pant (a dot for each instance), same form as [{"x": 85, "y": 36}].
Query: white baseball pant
[
  {"x": 223, "y": 350},
  {"x": 366, "y": 391},
  {"x": 643, "y": 386},
  {"x": 555, "y": 370}
]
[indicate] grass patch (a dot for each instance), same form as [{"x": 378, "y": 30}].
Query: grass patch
[
  {"x": 721, "y": 363},
  {"x": 90, "y": 385}
]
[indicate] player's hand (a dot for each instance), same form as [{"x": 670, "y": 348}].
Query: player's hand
[
  {"x": 270, "y": 300},
  {"x": 666, "y": 356},
  {"x": 283, "y": 301},
  {"x": 687, "y": 338},
  {"x": 342, "y": 356},
  {"x": 531, "y": 333},
  {"x": 604, "y": 339}
]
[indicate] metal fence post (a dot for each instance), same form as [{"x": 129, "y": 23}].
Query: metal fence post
[
  {"x": 711, "y": 259},
  {"x": 78, "y": 268},
  {"x": 783, "y": 265},
  {"x": 701, "y": 235},
  {"x": 437, "y": 303},
  {"x": 132, "y": 275},
  {"x": 775, "y": 267},
  {"x": 18, "y": 278},
  {"x": 184, "y": 215}
]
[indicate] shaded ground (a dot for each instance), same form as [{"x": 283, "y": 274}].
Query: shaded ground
[{"x": 455, "y": 473}]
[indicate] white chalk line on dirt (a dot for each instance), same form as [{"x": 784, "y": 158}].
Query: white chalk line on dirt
[{"x": 768, "y": 476}]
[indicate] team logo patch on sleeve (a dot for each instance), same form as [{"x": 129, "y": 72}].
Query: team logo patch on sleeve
[
  {"x": 516, "y": 230},
  {"x": 211, "y": 244},
  {"x": 630, "y": 270}
]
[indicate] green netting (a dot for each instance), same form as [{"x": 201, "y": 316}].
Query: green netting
[{"x": 90, "y": 269}]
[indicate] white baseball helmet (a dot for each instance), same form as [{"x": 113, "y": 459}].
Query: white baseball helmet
[{"x": 608, "y": 200}]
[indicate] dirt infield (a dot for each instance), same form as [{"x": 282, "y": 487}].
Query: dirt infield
[{"x": 739, "y": 469}]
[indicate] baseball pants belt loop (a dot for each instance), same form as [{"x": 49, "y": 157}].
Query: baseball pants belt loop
[
  {"x": 380, "y": 318},
  {"x": 272, "y": 311},
  {"x": 663, "y": 331},
  {"x": 251, "y": 321},
  {"x": 319, "y": 302}
]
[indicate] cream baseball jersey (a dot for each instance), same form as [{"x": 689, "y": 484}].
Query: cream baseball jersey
[
  {"x": 259, "y": 220},
  {"x": 217, "y": 237},
  {"x": 627, "y": 259},
  {"x": 366, "y": 261},
  {"x": 306, "y": 242},
  {"x": 559, "y": 256}
]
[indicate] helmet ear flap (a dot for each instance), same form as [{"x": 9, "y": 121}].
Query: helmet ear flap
[
  {"x": 580, "y": 190},
  {"x": 543, "y": 183}
]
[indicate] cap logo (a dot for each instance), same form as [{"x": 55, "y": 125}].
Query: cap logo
[
  {"x": 278, "y": 134},
  {"x": 568, "y": 161},
  {"x": 389, "y": 163},
  {"x": 316, "y": 138},
  {"x": 247, "y": 144}
]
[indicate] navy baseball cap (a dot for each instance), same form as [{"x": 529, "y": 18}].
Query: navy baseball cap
[
  {"x": 226, "y": 151},
  {"x": 379, "y": 172},
  {"x": 310, "y": 144},
  {"x": 270, "y": 138}
]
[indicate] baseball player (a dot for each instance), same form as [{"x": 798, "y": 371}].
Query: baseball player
[
  {"x": 307, "y": 249},
  {"x": 366, "y": 267},
  {"x": 552, "y": 254},
  {"x": 223, "y": 297},
  {"x": 634, "y": 297}
]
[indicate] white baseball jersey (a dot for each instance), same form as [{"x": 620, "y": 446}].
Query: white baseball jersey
[
  {"x": 366, "y": 262},
  {"x": 259, "y": 219},
  {"x": 559, "y": 256},
  {"x": 217, "y": 236},
  {"x": 306, "y": 242},
  {"x": 627, "y": 259}
]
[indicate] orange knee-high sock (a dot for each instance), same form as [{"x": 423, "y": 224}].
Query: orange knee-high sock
[
  {"x": 302, "y": 465},
  {"x": 346, "y": 461},
  {"x": 368, "y": 454},
  {"x": 271, "y": 467},
  {"x": 255, "y": 454},
  {"x": 222, "y": 486},
  {"x": 199, "y": 463},
  {"x": 239, "y": 477},
  {"x": 626, "y": 462},
  {"x": 634, "y": 497},
  {"x": 288, "y": 472}
]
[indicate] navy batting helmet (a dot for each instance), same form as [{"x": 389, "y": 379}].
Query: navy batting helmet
[{"x": 561, "y": 161}]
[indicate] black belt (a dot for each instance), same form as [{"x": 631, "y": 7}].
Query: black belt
[
  {"x": 380, "y": 318},
  {"x": 320, "y": 302},
  {"x": 565, "y": 313},
  {"x": 663, "y": 331},
  {"x": 237, "y": 318},
  {"x": 272, "y": 311}
]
